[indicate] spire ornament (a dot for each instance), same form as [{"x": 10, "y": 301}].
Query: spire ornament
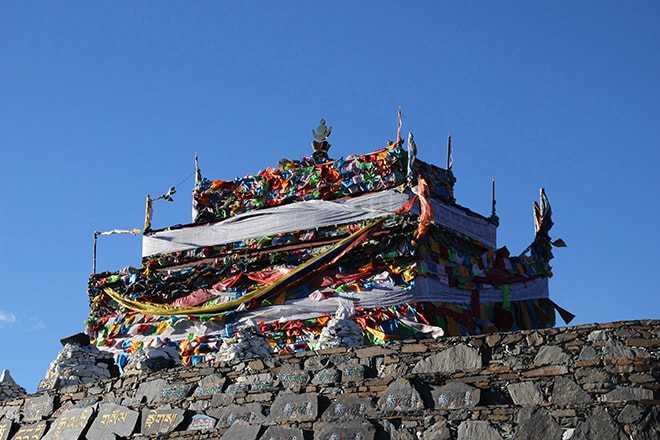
[{"x": 321, "y": 145}]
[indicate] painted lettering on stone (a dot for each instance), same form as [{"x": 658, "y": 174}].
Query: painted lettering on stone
[
  {"x": 5, "y": 428},
  {"x": 454, "y": 401},
  {"x": 160, "y": 421},
  {"x": 398, "y": 401},
  {"x": 70, "y": 425},
  {"x": 114, "y": 418},
  {"x": 175, "y": 392},
  {"x": 201, "y": 422},
  {"x": 31, "y": 432},
  {"x": 297, "y": 410}
]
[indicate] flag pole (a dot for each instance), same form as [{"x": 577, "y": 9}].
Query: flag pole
[{"x": 96, "y": 234}]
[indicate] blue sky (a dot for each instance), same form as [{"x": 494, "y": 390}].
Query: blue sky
[{"x": 104, "y": 102}]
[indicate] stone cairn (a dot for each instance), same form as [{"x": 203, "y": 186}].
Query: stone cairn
[
  {"x": 78, "y": 362},
  {"x": 341, "y": 331},
  {"x": 9, "y": 388},
  {"x": 246, "y": 343},
  {"x": 153, "y": 359}
]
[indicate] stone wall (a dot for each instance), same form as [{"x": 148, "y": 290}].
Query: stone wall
[{"x": 584, "y": 382}]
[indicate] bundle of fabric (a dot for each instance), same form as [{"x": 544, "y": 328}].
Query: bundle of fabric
[
  {"x": 400, "y": 285},
  {"x": 296, "y": 181}
]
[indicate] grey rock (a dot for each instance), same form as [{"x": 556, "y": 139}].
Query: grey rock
[
  {"x": 37, "y": 408},
  {"x": 282, "y": 433},
  {"x": 362, "y": 430},
  {"x": 261, "y": 382},
  {"x": 175, "y": 392},
  {"x": 457, "y": 358},
  {"x": 6, "y": 426},
  {"x": 598, "y": 425},
  {"x": 33, "y": 431},
  {"x": 241, "y": 430},
  {"x": 151, "y": 390},
  {"x": 436, "y": 431},
  {"x": 401, "y": 396},
  {"x": 349, "y": 408},
  {"x": 525, "y": 393},
  {"x": 630, "y": 414},
  {"x": 201, "y": 422},
  {"x": 455, "y": 395},
  {"x": 587, "y": 353},
  {"x": 534, "y": 424},
  {"x": 328, "y": 376},
  {"x": 70, "y": 424},
  {"x": 112, "y": 420},
  {"x": 10, "y": 412},
  {"x": 551, "y": 355},
  {"x": 649, "y": 427},
  {"x": 396, "y": 434},
  {"x": 293, "y": 377},
  {"x": 597, "y": 335},
  {"x": 160, "y": 421},
  {"x": 567, "y": 391},
  {"x": 250, "y": 413},
  {"x": 478, "y": 429},
  {"x": 617, "y": 350},
  {"x": 351, "y": 372},
  {"x": 209, "y": 385},
  {"x": 222, "y": 399},
  {"x": 289, "y": 407},
  {"x": 622, "y": 394}
]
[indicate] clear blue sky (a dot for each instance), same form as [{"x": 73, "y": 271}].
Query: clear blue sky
[{"x": 103, "y": 102}]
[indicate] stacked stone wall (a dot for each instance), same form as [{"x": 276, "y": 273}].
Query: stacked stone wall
[{"x": 583, "y": 382}]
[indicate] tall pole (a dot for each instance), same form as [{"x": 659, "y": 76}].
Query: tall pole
[
  {"x": 449, "y": 158},
  {"x": 96, "y": 234},
  {"x": 492, "y": 196}
]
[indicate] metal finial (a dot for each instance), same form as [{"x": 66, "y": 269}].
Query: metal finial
[{"x": 322, "y": 132}]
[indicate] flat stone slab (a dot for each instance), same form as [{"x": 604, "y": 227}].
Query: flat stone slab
[
  {"x": 289, "y": 407},
  {"x": 210, "y": 385},
  {"x": 251, "y": 413},
  {"x": 525, "y": 393},
  {"x": 242, "y": 431},
  {"x": 282, "y": 433},
  {"x": 201, "y": 422},
  {"x": 565, "y": 390},
  {"x": 261, "y": 382},
  {"x": 478, "y": 429},
  {"x": 113, "y": 420},
  {"x": 401, "y": 396},
  {"x": 351, "y": 372},
  {"x": 328, "y": 376},
  {"x": 160, "y": 421},
  {"x": 293, "y": 377},
  {"x": 34, "y": 431},
  {"x": 455, "y": 395},
  {"x": 151, "y": 390},
  {"x": 460, "y": 357},
  {"x": 222, "y": 399},
  {"x": 623, "y": 394},
  {"x": 551, "y": 355},
  {"x": 70, "y": 425},
  {"x": 352, "y": 430},
  {"x": 6, "y": 426},
  {"x": 175, "y": 392},
  {"x": 347, "y": 409},
  {"x": 37, "y": 408}
]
